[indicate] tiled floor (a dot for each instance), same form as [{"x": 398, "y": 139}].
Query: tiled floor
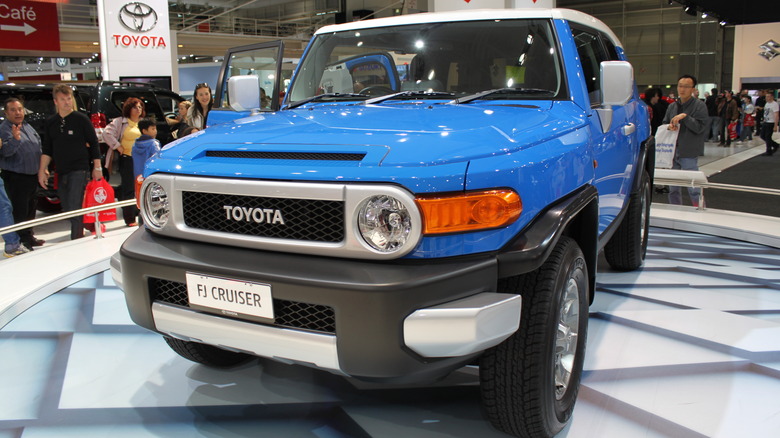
[{"x": 685, "y": 347}]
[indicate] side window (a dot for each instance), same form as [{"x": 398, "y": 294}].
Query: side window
[
  {"x": 153, "y": 109},
  {"x": 261, "y": 62},
  {"x": 168, "y": 104},
  {"x": 611, "y": 50},
  {"x": 591, "y": 54}
]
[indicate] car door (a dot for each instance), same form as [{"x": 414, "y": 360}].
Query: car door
[
  {"x": 263, "y": 60},
  {"x": 612, "y": 139}
]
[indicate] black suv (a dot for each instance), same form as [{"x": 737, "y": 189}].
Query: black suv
[{"x": 103, "y": 102}]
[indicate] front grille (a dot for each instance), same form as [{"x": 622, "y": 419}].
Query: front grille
[
  {"x": 303, "y": 219},
  {"x": 291, "y": 314},
  {"x": 314, "y": 156}
]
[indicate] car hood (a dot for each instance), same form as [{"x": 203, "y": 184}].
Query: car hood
[{"x": 406, "y": 134}]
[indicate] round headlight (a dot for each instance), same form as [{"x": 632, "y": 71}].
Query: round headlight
[
  {"x": 156, "y": 206},
  {"x": 385, "y": 223}
]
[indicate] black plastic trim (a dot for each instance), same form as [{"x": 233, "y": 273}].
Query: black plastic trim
[{"x": 533, "y": 245}]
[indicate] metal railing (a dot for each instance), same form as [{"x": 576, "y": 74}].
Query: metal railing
[
  {"x": 70, "y": 214},
  {"x": 697, "y": 179}
]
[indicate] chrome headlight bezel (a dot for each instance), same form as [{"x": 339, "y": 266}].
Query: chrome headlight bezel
[
  {"x": 384, "y": 223},
  {"x": 155, "y": 205}
]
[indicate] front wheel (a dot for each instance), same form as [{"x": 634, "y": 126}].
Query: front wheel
[{"x": 529, "y": 382}]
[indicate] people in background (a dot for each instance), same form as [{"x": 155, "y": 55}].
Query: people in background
[
  {"x": 712, "y": 110},
  {"x": 769, "y": 125},
  {"x": 201, "y": 105},
  {"x": 179, "y": 120},
  {"x": 120, "y": 136},
  {"x": 747, "y": 119},
  {"x": 145, "y": 146},
  {"x": 689, "y": 116},
  {"x": 728, "y": 110},
  {"x": 69, "y": 140},
  {"x": 19, "y": 160}
]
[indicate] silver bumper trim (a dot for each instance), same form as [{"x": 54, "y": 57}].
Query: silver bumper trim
[
  {"x": 464, "y": 326},
  {"x": 291, "y": 346}
]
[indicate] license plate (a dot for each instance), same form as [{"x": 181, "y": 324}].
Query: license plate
[{"x": 230, "y": 297}]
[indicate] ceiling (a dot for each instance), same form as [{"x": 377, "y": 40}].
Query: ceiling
[{"x": 738, "y": 11}]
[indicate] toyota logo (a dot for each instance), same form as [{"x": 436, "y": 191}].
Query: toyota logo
[{"x": 138, "y": 17}]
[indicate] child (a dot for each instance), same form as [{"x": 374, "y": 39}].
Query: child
[{"x": 145, "y": 146}]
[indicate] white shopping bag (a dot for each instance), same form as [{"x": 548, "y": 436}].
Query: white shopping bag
[{"x": 665, "y": 141}]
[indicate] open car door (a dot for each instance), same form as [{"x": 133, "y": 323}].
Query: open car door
[{"x": 263, "y": 60}]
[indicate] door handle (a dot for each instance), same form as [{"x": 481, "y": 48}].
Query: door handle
[{"x": 628, "y": 129}]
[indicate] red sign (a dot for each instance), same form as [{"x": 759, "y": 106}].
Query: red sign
[{"x": 26, "y": 25}]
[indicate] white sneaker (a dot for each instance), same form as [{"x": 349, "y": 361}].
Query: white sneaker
[{"x": 21, "y": 249}]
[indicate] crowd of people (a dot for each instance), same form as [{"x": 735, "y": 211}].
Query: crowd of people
[
  {"x": 721, "y": 117},
  {"x": 70, "y": 143}
]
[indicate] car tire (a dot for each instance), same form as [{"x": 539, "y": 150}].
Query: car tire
[
  {"x": 529, "y": 382},
  {"x": 627, "y": 248},
  {"x": 206, "y": 354}
]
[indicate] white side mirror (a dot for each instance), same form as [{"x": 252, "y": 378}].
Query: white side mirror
[
  {"x": 617, "y": 82},
  {"x": 244, "y": 93}
]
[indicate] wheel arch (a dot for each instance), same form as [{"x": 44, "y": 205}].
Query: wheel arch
[{"x": 575, "y": 216}]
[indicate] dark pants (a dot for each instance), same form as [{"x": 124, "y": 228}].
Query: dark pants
[
  {"x": 71, "y": 191},
  {"x": 21, "y": 189},
  {"x": 127, "y": 188},
  {"x": 724, "y": 132},
  {"x": 766, "y": 135}
]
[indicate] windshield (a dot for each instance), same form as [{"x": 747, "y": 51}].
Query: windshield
[{"x": 433, "y": 61}]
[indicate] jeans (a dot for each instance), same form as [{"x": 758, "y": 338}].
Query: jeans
[
  {"x": 714, "y": 127},
  {"x": 7, "y": 219},
  {"x": 675, "y": 196},
  {"x": 71, "y": 192}
]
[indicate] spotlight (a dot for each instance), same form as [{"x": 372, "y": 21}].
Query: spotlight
[
  {"x": 723, "y": 23},
  {"x": 704, "y": 15},
  {"x": 690, "y": 10}
]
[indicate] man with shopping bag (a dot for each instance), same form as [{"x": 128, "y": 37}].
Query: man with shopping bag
[{"x": 688, "y": 116}]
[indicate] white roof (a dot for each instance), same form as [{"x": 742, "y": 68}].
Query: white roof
[{"x": 475, "y": 15}]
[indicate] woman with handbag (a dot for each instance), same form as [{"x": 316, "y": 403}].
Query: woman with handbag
[{"x": 120, "y": 135}]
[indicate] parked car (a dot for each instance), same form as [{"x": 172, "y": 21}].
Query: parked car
[{"x": 399, "y": 229}]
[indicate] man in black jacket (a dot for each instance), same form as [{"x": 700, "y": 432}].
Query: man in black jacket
[{"x": 69, "y": 138}]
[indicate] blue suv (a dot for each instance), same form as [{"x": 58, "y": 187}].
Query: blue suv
[{"x": 433, "y": 192}]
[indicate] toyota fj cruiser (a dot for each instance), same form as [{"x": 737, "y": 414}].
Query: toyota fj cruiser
[{"x": 433, "y": 193}]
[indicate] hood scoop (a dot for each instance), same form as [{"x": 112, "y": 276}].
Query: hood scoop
[{"x": 267, "y": 155}]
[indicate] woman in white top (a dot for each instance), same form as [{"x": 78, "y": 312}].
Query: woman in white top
[
  {"x": 120, "y": 137},
  {"x": 201, "y": 105}
]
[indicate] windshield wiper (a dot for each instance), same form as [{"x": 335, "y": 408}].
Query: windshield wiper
[
  {"x": 410, "y": 93},
  {"x": 486, "y": 93},
  {"x": 323, "y": 96}
]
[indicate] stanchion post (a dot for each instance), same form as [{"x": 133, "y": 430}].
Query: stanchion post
[{"x": 98, "y": 231}]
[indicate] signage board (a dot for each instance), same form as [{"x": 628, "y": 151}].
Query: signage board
[
  {"x": 135, "y": 38},
  {"x": 29, "y": 25}
]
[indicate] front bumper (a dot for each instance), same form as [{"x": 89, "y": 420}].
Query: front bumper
[{"x": 393, "y": 320}]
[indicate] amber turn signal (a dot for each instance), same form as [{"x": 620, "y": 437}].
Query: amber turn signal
[
  {"x": 469, "y": 211},
  {"x": 139, "y": 181}
]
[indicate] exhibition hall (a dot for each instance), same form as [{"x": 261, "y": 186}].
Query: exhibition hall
[{"x": 379, "y": 218}]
